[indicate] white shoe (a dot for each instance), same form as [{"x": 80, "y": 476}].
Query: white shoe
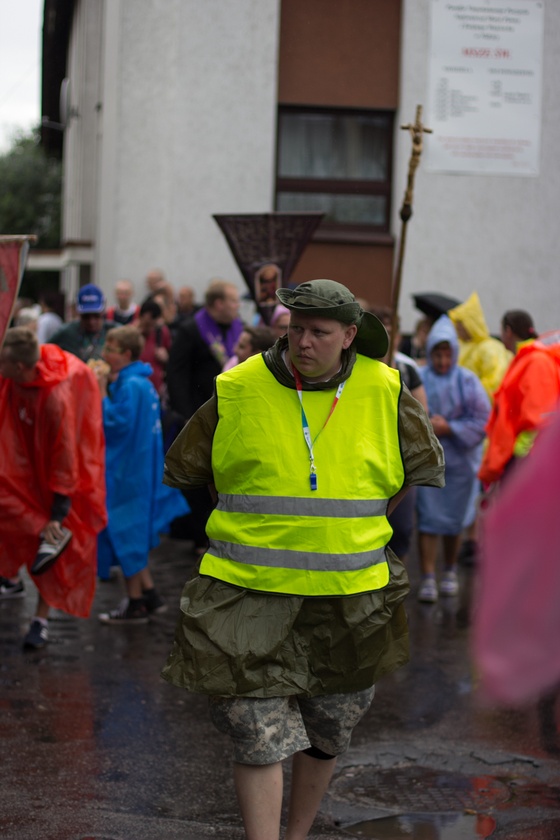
[
  {"x": 428, "y": 592},
  {"x": 49, "y": 552},
  {"x": 449, "y": 584}
]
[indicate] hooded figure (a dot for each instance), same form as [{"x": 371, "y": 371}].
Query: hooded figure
[
  {"x": 140, "y": 508},
  {"x": 459, "y": 397},
  {"x": 486, "y": 356},
  {"x": 52, "y": 444},
  {"x": 527, "y": 397}
]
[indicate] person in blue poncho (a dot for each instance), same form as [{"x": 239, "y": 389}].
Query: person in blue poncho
[
  {"x": 139, "y": 506},
  {"x": 458, "y": 408}
]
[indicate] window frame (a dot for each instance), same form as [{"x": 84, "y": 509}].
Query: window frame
[{"x": 341, "y": 231}]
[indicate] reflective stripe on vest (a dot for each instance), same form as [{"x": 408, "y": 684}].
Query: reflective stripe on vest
[
  {"x": 269, "y": 531},
  {"x": 292, "y": 559},
  {"x": 288, "y": 506},
  {"x": 294, "y": 581}
]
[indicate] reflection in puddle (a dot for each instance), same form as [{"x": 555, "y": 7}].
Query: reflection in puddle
[{"x": 426, "y": 827}]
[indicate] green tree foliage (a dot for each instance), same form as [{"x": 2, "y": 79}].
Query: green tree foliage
[{"x": 30, "y": 191}]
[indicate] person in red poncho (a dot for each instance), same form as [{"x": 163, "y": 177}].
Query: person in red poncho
[
  {"x": 52, "y": 474},
  {"x": 526, "y": 399}
]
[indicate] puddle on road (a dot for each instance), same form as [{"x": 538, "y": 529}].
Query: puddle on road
[
  {"x": 425, "y": 790},
  {"x": 442, "y": 805},
  {"x": 426, "y": 827}
]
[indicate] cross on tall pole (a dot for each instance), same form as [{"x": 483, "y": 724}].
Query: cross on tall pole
[{"x": 417, "y": 130}]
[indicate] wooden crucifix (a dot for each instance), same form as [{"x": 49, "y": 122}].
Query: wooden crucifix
[{"x": 417, "y": 130}]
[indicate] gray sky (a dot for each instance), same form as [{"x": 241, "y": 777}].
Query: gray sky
[{"x": 21, "y": 25}]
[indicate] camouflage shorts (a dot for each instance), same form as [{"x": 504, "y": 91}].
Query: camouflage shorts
[{"x": 265, "y": 730}]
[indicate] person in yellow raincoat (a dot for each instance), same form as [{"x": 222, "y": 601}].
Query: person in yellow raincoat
[{"x": 486, "y": 356}]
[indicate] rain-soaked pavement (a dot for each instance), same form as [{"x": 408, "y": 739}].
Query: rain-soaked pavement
[{"x": 95, "y": 746}]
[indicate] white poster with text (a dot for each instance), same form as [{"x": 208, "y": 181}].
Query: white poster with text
[{"x": 485, "y": 78}]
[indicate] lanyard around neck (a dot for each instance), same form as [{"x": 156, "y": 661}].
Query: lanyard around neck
[{"x": 305, "y": 425}]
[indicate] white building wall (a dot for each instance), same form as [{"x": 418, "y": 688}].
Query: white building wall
[
  {"x": 81, "y": 135},
  {"x": 494, "y": 234},
  {"x": 188, "y": 130},
  {"x": 82, "y": 123}
]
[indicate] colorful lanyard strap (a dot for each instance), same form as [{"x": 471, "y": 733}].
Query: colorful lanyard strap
[{"x": 305, "y": 425}]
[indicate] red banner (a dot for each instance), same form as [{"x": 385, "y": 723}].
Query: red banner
[{"x": 13, "y": 255}]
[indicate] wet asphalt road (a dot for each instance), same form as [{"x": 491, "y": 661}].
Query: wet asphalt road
[{"x": 96, "y": 746}]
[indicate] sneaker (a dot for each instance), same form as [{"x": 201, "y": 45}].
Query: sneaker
[
  {"x": 428, "y": 592},
  {"x": 126, "y": 614},
  {"x": 155, "y": 604},
  {"x": 49, "y": 552},
  {"x": 11, "y": 590},
  {"x": 37, "y": 636},
  {"x": 449, "y": 584}
]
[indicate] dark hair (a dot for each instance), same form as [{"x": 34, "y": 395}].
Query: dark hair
[
  {"x": 444, "y": 343},
  {"x": 54, "y": 301},
  {"x": 152, "y": 307},
  {"x": 520, "y": 323},
  {"x": 261, "y": 337}
]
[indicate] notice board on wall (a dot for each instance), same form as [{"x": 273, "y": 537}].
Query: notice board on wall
[{"x": 485, "y": 82}]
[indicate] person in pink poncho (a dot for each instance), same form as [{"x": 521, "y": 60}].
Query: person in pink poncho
[{"x": 516, "y": 617}]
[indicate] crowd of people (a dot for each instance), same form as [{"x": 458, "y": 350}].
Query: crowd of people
[
  {"x": 456, "y": 369},
  {"x": 82, "y": 450},
  {"x": 102, "y": 396},
  {"x": 487, "y": 398},
  {"x": 302, "y": 533}
]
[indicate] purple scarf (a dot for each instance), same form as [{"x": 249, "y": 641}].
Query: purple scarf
[{"x": 221, "y": 339}]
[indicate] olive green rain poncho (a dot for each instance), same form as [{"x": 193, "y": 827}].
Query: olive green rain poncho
[{"x": 233, "y": 641}]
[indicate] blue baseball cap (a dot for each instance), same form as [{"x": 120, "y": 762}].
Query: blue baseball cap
[{"x": 90, "y": 299}]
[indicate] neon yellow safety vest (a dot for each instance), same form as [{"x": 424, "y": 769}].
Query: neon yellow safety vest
[{"x": 270, "y": 531}]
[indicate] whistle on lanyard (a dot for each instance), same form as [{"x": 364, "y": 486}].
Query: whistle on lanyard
[{"x": 313, "y": 480}]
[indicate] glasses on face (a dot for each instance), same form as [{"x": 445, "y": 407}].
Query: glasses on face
[{"x": 88, "y": 316}]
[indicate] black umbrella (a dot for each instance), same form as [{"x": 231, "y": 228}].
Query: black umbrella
[{"x": 434, "y": 304}]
